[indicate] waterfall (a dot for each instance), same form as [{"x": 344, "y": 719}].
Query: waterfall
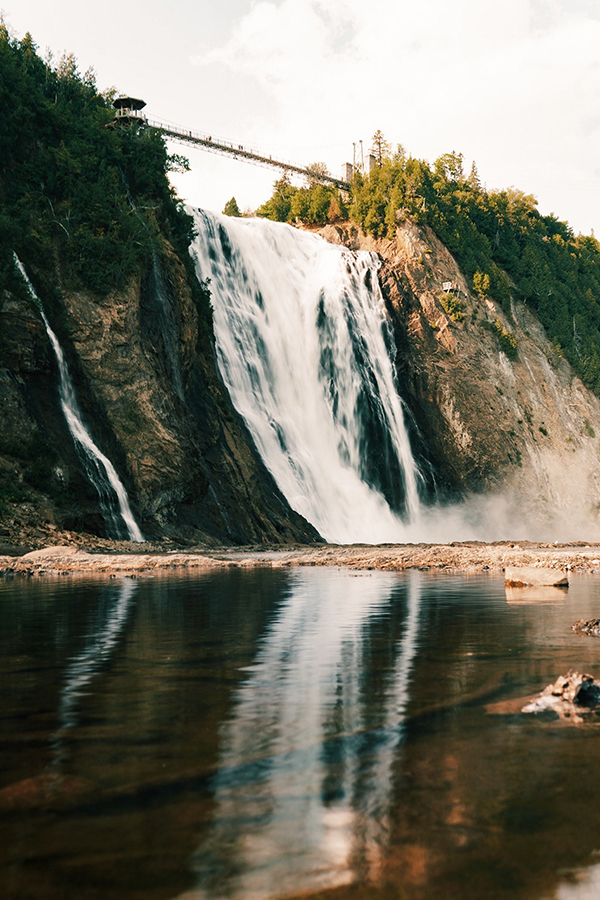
[
  {"x": 305, "y": 351},
  {"x": 114, "y": 501}
]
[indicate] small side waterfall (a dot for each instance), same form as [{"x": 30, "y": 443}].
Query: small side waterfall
[
  {"x": 114, "y": 501},
  {"x": 304, "y": 350}
]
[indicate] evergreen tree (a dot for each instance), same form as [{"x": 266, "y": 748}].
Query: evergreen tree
[
  {"x": 380, "y": 148},
  {"x": 231, "y": 208}
]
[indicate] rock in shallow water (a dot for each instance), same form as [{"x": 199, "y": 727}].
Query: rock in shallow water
[
  {"x": 524, "y": 576},
  {"x": 587, "y": 626},
  {"x": 570, "y": 696}
]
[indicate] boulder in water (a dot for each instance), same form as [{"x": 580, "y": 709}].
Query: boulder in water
[
  {"x": 46, "y": 791},
  {"x": 570, "y": 696},
  {"x": 587, "y": 626},
  {"x": 534, "y": 576}
]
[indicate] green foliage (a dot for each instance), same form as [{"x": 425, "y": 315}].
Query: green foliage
[
  {"x": 481, "y": 284},
  {"x": 506, "y": 340},
  {"x": 177, "y": 163},
  {"x": 380, "y": 148},
  {"x": 453, "y": 307},
  {"x": 231, "y": 208},
  {"x": 315, "y": 204},
  {"x": 279, "y": 206},
  {"x": 71, "y": 187}
]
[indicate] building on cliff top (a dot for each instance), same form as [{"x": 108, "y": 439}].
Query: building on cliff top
[{"x": 128, "y": 109}]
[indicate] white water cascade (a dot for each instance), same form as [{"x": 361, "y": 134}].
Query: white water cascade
[
  {"x": 302, "y": 347},
  {"x": 114, "y": 501}
]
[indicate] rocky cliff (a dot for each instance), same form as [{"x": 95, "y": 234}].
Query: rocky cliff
[
  {"x": 143, "y": 365},
  {"x": 497, "y": 409}
]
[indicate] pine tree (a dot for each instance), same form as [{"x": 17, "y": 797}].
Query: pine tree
[
  {"x": 380, "y": 148},
  {"x": 231, "y": 208}
]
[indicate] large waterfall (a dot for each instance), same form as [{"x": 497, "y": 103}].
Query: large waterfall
[
  {"x": 304, "y": 350},
  {"x": 112, "y": 495}
]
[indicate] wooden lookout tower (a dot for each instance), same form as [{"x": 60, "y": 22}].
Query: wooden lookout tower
[{"x": 128, "y": 110}]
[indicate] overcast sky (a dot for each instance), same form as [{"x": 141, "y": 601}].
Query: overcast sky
[{"x": 513, "y": 84}]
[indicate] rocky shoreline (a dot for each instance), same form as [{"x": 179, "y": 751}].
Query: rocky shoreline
[{"x": 125, "y": 558}]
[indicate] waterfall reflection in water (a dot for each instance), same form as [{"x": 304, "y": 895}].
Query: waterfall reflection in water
[
  {"x": 83, "y": 667},
  {"x": 304, "y": 782}
]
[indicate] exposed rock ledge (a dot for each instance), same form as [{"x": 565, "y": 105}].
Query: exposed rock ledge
[{"x": 468, "y": 558}]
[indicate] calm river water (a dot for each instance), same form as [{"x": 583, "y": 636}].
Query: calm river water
[{"x": 283, "y": 733}]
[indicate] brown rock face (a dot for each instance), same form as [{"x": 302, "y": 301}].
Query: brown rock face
[
  {"x": 143, "y": 366},
  {"x": 526, "y": 428}
]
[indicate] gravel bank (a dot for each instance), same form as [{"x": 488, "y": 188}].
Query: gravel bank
[{"x": 470, "y": 557}]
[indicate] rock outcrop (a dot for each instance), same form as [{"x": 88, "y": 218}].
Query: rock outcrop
[{"x": 569, "y": 697}]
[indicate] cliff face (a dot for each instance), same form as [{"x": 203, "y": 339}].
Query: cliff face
[
  {"x": 524, "y": 428},
  {"x": 143, "y": 366},
  {"x": 519, "y": 426}
]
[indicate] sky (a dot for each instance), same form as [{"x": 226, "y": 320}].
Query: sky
[{"x": 512, "y": 84}]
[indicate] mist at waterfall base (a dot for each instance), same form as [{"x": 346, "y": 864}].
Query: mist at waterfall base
[
  {"x": 114, "y": 502},
  {"x": 306, "y": 352}
]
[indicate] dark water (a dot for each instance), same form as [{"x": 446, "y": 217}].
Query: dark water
[{"x": 282, "y": 733}]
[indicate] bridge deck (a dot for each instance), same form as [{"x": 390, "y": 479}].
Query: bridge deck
[{"x": 237, "y": 151}]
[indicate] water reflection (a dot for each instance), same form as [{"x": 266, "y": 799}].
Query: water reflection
[
  {"x": 530, "y": 595},
  {"x": 586, "y": 885},
  {"x": 111, "y": 616},
  {"x": 305, "y": 772}
]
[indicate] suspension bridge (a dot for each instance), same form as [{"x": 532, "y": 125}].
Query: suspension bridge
[{"x": 129, "y": 110}]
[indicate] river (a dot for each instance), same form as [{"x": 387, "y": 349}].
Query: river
[{"x": 264, "y": 733}]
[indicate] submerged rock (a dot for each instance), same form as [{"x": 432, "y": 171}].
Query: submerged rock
[
  {"x": 570, "y": 696},
  {"x": 46, "y": 791}
]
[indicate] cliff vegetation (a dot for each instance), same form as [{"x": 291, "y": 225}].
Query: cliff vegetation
[{"x": 70, "y": 184}]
